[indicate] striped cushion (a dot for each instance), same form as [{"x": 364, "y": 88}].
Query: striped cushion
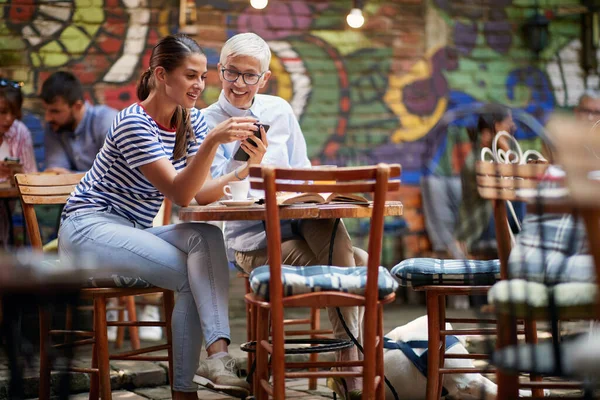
[
  {"x": 319, "y": 278},
  {"x": 416, "y": 272}
]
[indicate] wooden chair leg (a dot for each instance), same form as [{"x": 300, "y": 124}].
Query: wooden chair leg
[
  {"x": 134, "y": 336},
  {"x": 250, "y": 334},
  {"x": 433, "y": 349},
  {"x": 531, "y": 337},
  {"x": 315, "y": 324},
  {"x": 262, "y": 356},
  {"x": 508, "y": 383},
  {"x": 442, "y": 311},
  {"x": 120, "y": 329},
  {"x": 68, "y": 320},
  {"x": 380, "y": 394},
  {"x": 94, "y": 378},
  {"x": 44, "y": 388},
  {"x": 102, "y": 348},
  {"x": 252, "y": 337},
  {"x": 168, "y": 305}
]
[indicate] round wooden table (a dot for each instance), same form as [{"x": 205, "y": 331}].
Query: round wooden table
[{"x": 256, "y": 212}]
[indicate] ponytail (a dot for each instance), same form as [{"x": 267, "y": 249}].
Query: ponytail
[
  {"x": 181, "y": 119},
  {"x": 144, "y": 86}
]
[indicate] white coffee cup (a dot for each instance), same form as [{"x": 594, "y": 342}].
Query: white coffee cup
[{"x": 237, "y": 190}]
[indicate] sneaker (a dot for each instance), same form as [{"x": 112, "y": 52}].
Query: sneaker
[
  {"x": 152, "y": 333},
  {"x": 221, "y": 374}
]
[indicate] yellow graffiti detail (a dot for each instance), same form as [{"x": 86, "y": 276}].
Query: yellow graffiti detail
[
  {"x": 74, "y": 40},
  {"x": 52, "y": 55},
  {"x": 413, "y": 126},
  {"x": 284, "y": 81},
  {"x": 163, "y": 23}
]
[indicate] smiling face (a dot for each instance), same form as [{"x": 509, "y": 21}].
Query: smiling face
[
  {"x": 184, "y": 84},
  {"x": 238, "y": 93}
]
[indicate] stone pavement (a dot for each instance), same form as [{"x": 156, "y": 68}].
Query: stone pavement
[{"x": 148, "y": 380}]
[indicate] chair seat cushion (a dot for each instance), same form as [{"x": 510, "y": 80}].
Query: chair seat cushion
[
  {"x": 523, "y": 298},
  {"x": 320, "y": 278},
  {"x": 416, "y": 272},
  {"x": 552, "y": 248}
]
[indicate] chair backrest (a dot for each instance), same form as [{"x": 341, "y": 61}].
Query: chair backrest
[
  {"x": 499, "y": 183},
  {"x": 371, "y": 179},
  {"x": 37, "y": 189},
  {"x": 578, "y": 151}
]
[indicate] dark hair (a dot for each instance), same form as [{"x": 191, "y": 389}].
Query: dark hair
[
  {"x": 169, "y": 54},
  {"x": 62, "y": 84},
  {"x": 489, "y": 116},
  {"x": 14, "y": 99}
]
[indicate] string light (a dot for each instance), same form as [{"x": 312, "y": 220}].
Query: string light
[
  {"x": 259, "y": 4},
  {"x": 355, "y": 19}
]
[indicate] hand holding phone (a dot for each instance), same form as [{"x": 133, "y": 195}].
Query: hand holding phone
[{"x": 241, "y": 155}]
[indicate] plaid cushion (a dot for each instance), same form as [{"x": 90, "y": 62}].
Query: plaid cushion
[
  {"x": 519, "y": 297},
  {"x": 415, "y": 272},
  {"x": 118, "y": 281},
  {"x": 319, "y": 278},
  {"x": 551, "y": 248}
]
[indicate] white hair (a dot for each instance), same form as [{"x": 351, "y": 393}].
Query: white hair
[
  {"x": 592, "y": 94},
  {"x": 247, "y": 44}
]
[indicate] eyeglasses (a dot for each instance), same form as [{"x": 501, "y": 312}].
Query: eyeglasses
[
  {"x": 232, "y": 76},
  {"x": 13, "y": 84}
]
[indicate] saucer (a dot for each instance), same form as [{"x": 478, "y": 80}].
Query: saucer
[{"x": 237, "y": 203}]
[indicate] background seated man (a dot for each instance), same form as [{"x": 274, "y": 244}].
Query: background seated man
[{"x": 75, "y": 129}]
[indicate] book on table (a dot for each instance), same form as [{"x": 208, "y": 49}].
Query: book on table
[{"x": 320, "y": 198}]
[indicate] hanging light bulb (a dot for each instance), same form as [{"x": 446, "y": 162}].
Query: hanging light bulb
[
  {"x": 259, "y": 4},
  {"x": 355, "y": 19}
]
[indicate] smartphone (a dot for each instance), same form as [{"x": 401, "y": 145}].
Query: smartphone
[
  {"x": 12, "y": 160},
  {"x": 241, "y": 155}
]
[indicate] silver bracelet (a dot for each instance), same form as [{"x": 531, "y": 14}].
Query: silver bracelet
[{"x": 235, "y": 173}]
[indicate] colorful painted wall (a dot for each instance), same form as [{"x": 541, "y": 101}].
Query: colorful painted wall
[{"x": 365, "y": 96}]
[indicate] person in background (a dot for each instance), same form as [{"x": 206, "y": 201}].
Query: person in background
[
  {"x": 475, "y": 213},
  {"x": 588, "y": 107},
  {"x": 244, "y": 70},
  {"x": 162, "y": 147},
  {"x": 75, "y": 129},
  {"x": 15, "y": 142}
]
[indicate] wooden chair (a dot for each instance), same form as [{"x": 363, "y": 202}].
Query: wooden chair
[
  {"x": 501, "y": 183},
  {"x": 444, "y": 278},
  {"x": 37, "y": 189},
  {"x": 374, "y": 179}
]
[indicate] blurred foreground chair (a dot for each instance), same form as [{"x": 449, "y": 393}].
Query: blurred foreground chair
[
  {"x": 55, "y": 189},
  {"x": 440, "y": 278},
  {"x": 538, "y": 286},
  {"x": 292, "y": 287}
]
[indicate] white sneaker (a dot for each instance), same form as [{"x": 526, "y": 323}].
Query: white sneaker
[
  {"x": 153, "y": 333},
  {"x": 221, "y": 374}
]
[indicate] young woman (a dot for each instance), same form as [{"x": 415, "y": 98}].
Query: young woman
[
  {"x": 156, "y": 148},
  {"x": 15, "y": 142},
  {"x": 475, "y": 220}
]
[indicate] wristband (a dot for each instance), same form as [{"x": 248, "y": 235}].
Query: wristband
[{"x": 235, "y": 173}]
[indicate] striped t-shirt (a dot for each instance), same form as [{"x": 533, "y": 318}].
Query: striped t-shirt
[{"x": 115, "y": 180}]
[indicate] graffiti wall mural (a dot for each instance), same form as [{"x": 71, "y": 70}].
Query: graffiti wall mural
[{"x": 379, "y": 94}]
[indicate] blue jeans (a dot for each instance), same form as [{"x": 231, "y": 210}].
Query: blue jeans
[{"x": 187, "y": 258}]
